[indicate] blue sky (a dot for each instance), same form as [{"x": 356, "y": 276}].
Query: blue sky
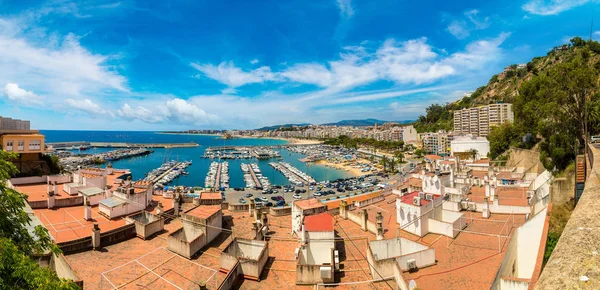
[{"x": 158, "y": 65}]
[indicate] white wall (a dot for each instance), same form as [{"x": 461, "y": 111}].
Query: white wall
[
  {"x": 318, "y": 249},
  {"x": 482, "y": 147}
]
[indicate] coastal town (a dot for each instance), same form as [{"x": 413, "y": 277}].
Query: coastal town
[
  {"x": 310, "y": 145},
  {"x": 389, "y": 225}
]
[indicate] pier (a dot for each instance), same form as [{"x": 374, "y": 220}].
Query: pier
[
  {"x": 156, "y": 179},
  {"x": 256, "y": 181},
  {"x": 218, "y": 178},
  {"x": 75, "y": 145}
]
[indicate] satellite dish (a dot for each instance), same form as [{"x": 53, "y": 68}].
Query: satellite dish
[{"x": 412, "y": 285}]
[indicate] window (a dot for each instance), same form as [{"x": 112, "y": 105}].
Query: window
[
  {"x": 35, "y": 145},
  {"x": 21, "y": 145},
  {"x": 9, "y": 145}
]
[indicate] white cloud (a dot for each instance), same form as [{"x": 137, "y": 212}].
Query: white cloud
[
  {"x": 53, "y": 66},
  {"x": 309, "y": 73},
  {"x": 175, "y": 110},
  {"x": 139, "y": 113},
  {"x": 462, "y": 29},
  {"x": 254, "y": 61},
  {"x": 88, "y": 106},
  {"x": 346, "y": 9},
  {"x": 403, "y": 62},
  {"x": 19, "y": 95},
  {"x": 479, "y": 23},
  {"x": 227, "y": 73},
  {"x": 458, "y": 29},
  {"x": 183, "y": 112},
  {"x": 552, "y": 7},
  {"x": 229, "y": 91}
]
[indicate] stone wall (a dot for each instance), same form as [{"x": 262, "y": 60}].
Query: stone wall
[{"x": 575, "y": 257}]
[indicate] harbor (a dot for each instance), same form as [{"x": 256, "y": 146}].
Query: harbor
[
  {"x": 293, "y": 174},
  {"x": 253, "y": 177},
  {"x": 168, "y": 172},
  {"x": 217, "y": 176},
  {"x": 72, "y": 162},
  {"x": 245, "y": 152},
  {"x": 82, "y": 145}
]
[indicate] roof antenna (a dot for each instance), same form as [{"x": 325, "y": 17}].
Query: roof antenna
[{"x": 591, "y": 28}]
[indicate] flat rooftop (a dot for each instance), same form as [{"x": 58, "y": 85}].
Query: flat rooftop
[{"x": 39, "y": 191}]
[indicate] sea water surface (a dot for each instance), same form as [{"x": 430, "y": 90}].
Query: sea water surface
[{"x": 140, "y": 166}]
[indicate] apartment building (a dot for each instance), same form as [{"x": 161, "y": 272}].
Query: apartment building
[
  {"x": 477, "y": 121},
  {"x": 436, "y": 143},
  {"x": 16, "y": 136}
]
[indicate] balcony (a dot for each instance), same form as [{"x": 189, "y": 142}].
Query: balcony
[{"x": 9, "y": 148}]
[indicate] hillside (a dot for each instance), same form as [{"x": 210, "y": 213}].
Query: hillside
[{"x": 552, "y": 98}]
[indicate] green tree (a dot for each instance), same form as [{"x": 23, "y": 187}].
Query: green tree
[
  {"x": 17, "y": 269},
  {"x": 384, "y": 162},
  {"x": 577, "y": 41}
]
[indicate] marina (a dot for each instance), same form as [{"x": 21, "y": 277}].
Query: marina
[
  {"x": 71, "y": 162},
  {"x": 293, "y": 174},
  {"x": 253, "y": 176},
  {"x": 82, "y": 145},
  {"x": 168, "y": 172},
  {"x": 230, "y": 152},
  {"x": 218, "y": 176}
]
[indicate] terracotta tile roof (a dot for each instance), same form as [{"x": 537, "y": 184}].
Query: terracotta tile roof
[
  {"x": 204, "y": 211},
  {"x": 481, "y": 174},
  {"x": 308, "y": 203},
  {"x": 336, "y": 203},
  {"x": 433, "y": 157},
  {"x": 416, "y": 182},
  {"x": 322, "y": 222},
  {"x": 211, "y": 195},
  {"x": 447, "y": 162},
  {"x": 408, "y": 199}
]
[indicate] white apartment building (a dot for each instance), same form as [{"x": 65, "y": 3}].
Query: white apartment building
[
  {"x": 436, "y": 143},
  {"x": 477, "y": 121}
]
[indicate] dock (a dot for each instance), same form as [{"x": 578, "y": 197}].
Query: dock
[
  {"x": 256, "y": 181},
  {"x": 77, "y": 144},
  {"x": 218, "y": 178},
  {"x": 156, "y": 179}
]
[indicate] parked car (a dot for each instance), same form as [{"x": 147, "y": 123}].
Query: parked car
[
  {"x": 316, "y": 193},
  {"x": 264, "y": 199},
  {"x": 281, "y": 203},
  {"x": 248, "y": 195},
  {"x": 296, "y": 196},
  {"x": 257, "y": 199},
  {"x": 274, "y": 198},
  {"x": 242, "y": 201},
  {"x": 268, "y": 204}
]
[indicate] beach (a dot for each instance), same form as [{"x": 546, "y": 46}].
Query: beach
[{"x": 345, "y": 166}]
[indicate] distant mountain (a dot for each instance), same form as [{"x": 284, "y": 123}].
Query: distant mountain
[
  {"x": 364, "y": 123},
  {"x": 275, "y": 127}
]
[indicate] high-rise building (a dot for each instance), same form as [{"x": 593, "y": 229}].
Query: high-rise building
[
  {"x": 477, "y": 121},
  {"x": 436, "y": 143}
]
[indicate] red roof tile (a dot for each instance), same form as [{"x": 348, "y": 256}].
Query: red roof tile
[
  {"x": 408, "y": 199},
  {"x": 204, "y": 211},
  {"x": 433, "y": 157},
  {"x": 211, "y": 195},
  {"x": 308, "y": 203},
  {"x": 322, "y": 222}
]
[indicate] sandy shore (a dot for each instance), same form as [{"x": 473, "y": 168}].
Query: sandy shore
[{"x": 344, "y": 166}]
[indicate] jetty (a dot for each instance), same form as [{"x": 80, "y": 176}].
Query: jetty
[
  {"x": 79, "y": 144},
  {"x": 156, "y": 179}
]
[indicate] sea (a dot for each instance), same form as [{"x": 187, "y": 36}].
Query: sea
[{"x": 140, "y": 166}]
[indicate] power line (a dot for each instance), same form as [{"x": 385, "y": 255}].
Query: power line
[{"x": 371, "y": 266}]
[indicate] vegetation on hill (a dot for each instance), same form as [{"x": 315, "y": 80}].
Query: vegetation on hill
[
  {"x": 17, "y": 269},
  {"x": 366, "y": 142},
  {"x": 555, "y": 99}
]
